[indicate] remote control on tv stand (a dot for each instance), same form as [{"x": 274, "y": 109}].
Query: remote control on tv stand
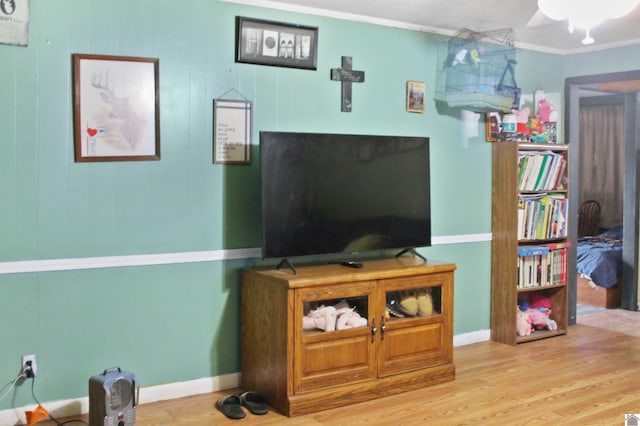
[{"x": 352, "y": 264}]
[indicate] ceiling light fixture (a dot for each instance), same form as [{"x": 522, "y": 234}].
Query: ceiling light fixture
[{"x": 586, "y": 14}]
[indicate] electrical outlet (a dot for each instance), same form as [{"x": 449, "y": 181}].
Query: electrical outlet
[{"x": 29, "y": 360}]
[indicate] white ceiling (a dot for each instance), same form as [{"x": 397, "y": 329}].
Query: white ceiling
[{"x": 448, "y": 16}]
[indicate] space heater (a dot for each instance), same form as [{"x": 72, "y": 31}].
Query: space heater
[{"x": 113, "y": 396}]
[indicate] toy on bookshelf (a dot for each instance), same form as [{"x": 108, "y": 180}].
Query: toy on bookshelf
[
  {"x": 523, "y": 323},
  {"x": 521, "y": 126},
  {"x": 546, "y": 111},
  {"x": 538, "y": 312},
  {"x": 522, "y": 118}
]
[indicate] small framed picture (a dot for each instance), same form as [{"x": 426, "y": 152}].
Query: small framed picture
[
  {"x": 415, "y": 96},
  {"x": 116, "y": 113},
  {"x": 493, "y": 125},
  {"x": 274, "y": 43}
]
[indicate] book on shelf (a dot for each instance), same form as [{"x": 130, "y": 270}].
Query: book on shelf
[
  {"x": 523, "y": 159},
  {"x": 542, "y": 265},
  {"x": 542, "y": 168},
  {"x": 542, "y": 216},
  {"x": 540, "y": 171}
]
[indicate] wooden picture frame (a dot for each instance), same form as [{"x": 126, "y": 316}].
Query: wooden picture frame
[
  {"x": 493, "y": 123},
  {"x": 232, "y": 128},
  {"x": 275, "y": 43},
  {"x": 116, "y": 109},
  {"x": 415, "y": 96}
]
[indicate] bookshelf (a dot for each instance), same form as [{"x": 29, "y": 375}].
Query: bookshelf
[{"x": 530, "y": 240}]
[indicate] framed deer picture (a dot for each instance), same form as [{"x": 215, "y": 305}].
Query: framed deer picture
[{"x": 115, "y": 108}]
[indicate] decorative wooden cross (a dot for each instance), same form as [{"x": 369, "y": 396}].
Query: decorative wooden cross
[{"x": 347, "y": 76}]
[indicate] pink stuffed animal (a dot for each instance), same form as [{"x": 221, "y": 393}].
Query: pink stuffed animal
[
  {"x": 546, "y": 111},
  {"x": 522, "y": 118},
  {"x": 540, "y": 319},
  {"x": 539, "y": 300},
  {"x": 539, "y": 311},
  {"x": 523, "y": 322}
]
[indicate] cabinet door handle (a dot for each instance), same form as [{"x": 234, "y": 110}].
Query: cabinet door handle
[
  {"x": 373, "y": 329},
  {"x": 383, "y": 327}
]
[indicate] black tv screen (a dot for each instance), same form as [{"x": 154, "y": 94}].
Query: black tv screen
[{"x": 338, "y": 193}]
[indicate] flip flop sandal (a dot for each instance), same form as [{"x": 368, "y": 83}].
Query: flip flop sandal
[
  {"x": 230, "y": 407},
  {"x": 393, "y": 306},
  {"x": 254, "y": 403}
]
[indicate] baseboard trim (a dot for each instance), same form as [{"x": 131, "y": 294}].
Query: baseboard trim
[
  {"x": 149, "y": 394},
  {"x": 471, "y": 337},
  {"x": 74, "y": 407}
]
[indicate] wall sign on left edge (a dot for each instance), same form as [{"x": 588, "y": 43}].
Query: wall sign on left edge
[
  {"x": 14, "y": 22},
  {"x": 116, "y": 111}
]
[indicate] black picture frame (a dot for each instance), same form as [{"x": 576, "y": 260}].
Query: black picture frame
[{"x": 277, "y": 44}]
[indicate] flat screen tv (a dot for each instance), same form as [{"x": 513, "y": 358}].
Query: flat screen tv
[{"x": 339, "y": 193}]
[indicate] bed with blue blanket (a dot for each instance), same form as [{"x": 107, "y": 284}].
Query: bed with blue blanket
[{"x": 599, "y": 263}]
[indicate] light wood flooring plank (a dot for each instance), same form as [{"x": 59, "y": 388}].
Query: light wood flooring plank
[{"x": 590, "y": 376}]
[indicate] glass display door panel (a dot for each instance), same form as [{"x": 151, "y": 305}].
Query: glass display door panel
[
  {"x": 336, "y": 335},
  {"x": 413, "y": 328}
]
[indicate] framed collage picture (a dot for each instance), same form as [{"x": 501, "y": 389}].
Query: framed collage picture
[{"x": 274, "y": 43}]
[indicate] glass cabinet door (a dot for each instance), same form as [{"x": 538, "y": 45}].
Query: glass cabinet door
[
  {"x": 414, "y": 302},
  {"x": 334, "y": 338},
  {"x": 413, "y": 329},
  {"x": 335, "y": 314}
]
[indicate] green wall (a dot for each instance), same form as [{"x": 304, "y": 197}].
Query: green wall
[
  {"x": 603, "y": 61},
  {"x": 179, "y": 322}
]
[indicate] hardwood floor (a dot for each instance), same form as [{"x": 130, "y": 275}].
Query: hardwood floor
[{"x": 590, "y": 376}]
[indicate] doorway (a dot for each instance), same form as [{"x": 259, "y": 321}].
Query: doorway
[{"x": 626, "y": 85}]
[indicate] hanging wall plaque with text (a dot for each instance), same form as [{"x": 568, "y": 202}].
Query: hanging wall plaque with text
[{"x": 231, "y": 131}]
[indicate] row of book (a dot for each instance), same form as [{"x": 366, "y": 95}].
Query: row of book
[
  {"x": 542, "y": 216},
  {"x": 541, "y": 171},
  {"x": 542, "y": 265}
]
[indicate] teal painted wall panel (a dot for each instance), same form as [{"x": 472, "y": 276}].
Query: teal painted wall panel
[
  {"x": 167, "y": 323},
  {"x": 603, "y": 62},
  {"x": 472, "y": 296},
  {"x": 537, "y": 70},
  {"x": 181, "y": 322}
]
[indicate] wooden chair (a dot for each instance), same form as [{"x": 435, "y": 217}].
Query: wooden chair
[{"x": 588, "y": 218}]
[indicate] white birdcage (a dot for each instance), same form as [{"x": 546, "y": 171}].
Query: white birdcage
[{"x": 476, "y": 71}]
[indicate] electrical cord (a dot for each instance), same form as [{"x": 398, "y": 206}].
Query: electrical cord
[
  {"x": 12, "y": 384},
  {"x": 57, "y": 422}
]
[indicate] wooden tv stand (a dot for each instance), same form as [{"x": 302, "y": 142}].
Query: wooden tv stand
[{"x": 300, "y": 370}]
